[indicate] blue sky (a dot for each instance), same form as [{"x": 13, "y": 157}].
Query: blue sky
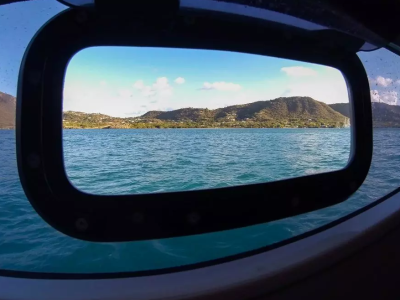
[
  {"x": 130, "y": 81},
  {"x": 18, "y": 24}
]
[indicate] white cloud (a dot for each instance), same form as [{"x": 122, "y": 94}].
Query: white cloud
[
  {"x": 139, "y": 84},
  {"x": 382, "y": 81},
  {"x": 329, "y": 87},
  {"x": 390, "y": 97},
  {"x": 160, "y": 87},
  {"x": 109, "y": 100},
  {"x": 161, "y": 83},
  {"x": 299, "y": 71},
  {"x": 148, "y": 91},
  {"x": 221, "y": 86},
  {"x": 374, "y": 96},
  {"x": 180, "y": 80},
  {"x": 103, "y": 83},
  {"x": 119, "y": 101},
  {"x": 125, "y": 93}
]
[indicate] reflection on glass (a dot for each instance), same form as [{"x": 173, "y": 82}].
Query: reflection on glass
[{"x": 173, "y": 119}]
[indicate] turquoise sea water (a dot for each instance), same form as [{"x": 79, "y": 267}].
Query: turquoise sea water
[{"x": 140, "y": 161}]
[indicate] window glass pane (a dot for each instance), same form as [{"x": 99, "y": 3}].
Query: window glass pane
[
  {"x": 143, "y": 120},
  {"x": 27, "y": 243}
]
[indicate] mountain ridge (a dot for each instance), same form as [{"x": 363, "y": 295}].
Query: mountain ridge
[
  {"x": 283, "y": 107},
  {"x": 276, "y": 113},
  {"x": 383, "y": 115}
]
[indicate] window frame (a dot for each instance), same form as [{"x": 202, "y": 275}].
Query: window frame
[{"x": 110, "y": 218}]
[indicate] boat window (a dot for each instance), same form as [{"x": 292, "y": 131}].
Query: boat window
[
  {"x": 144, "y": 120},
  {"x": 27, "y": 243}
]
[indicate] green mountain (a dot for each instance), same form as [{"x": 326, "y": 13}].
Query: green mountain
[
  {"x": 343, "y": 108},
  {"x": 281, "y": 112},
  {"x": 383, "y": 115},
  {"x": 281, "y": 109},
  {"x": 7, "y": 111}
]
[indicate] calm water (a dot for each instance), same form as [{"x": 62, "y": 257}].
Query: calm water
[
  {"x": 143, "y": 161},
  {"x": 126, "y": 161}
]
